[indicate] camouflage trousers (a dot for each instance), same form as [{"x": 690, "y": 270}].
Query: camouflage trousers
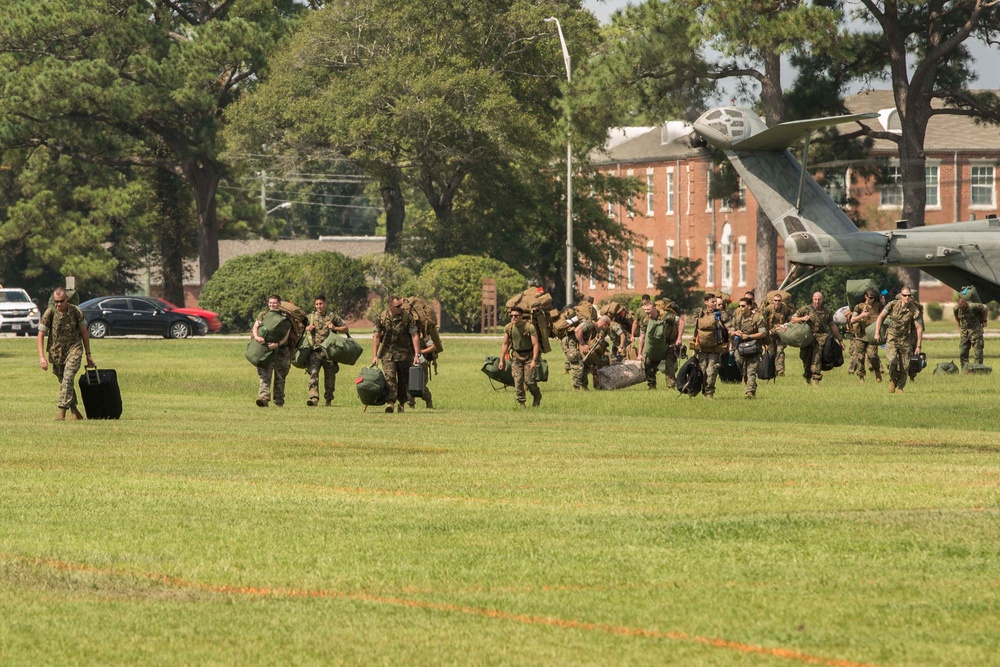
[
  {"x": 574, "y": 358},
  {"x": 669, "y": 366},
  {"x": 397, "y": 377},
  {"x": 862, "y": 351},
  {"x": 318, "y": 361},
  {"x": 66, "y": 372},
  {"x": 524, "y": 377},
  {"x": 776, "y": 348},
  {"x": 812, "y": 359},
  {"x": 281, "y": 361},
  {"x": 709, "y": 364},
  {"x": 897, "y": 359},
  {"x": 748, "y": 367},
  {"x": 564, "y": 343},
  {"x": 970, "y": 341}
]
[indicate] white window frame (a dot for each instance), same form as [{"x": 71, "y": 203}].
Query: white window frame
[
  {"x": 650, "y": 264},
  {"x": 987, "y": 168},
  {"x": 670, "y": 249},
  {"x": 709, "y": 204},
  {"x": 649, "y": 193},
  {"x": 741, "y": 244},
  {"x": 932, "y": 181},
  {"x": 891, "y": 196},
  {"x": 629, "y": 209},
  {"x": 727, "y": 264},
  {"x": 593, "y": 282},
  {"x": 631, "y": 269},
  {"x": 670, "y": 190},
  {"x": 611, "y": 273},
  {"x": 710, "y": 262}
]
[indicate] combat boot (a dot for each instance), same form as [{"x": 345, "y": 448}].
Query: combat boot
[
  {"x": 61, "y": 415},
  {"x": 536, "y": 401},
  {"x": 329, "y": 402},
  {"x": 814, "y": 383},
  {"x": 878, "y": 376},
  {"x": 76, "y": 414},
  {"x": 388, "y": 409},
  {"x": 312, "y": 402},
  {"x": 262, "y": 402},
  {"x": 429, "y": 403},
  {"x": 400, "y": 409},
  {"x": 892, "y": 387}
]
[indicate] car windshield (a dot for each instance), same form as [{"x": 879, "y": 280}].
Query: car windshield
[{"x": 13, "y": 296}]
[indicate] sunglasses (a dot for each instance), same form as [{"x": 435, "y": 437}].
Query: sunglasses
[{"x": 60, "y": 300}]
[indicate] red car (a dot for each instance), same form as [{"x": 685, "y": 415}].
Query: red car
[{"x": 214, "y": 323}]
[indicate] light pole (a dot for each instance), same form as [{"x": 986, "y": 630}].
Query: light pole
[
  {"x": 569, "y": 173},
  {"x": 286, "y": 204}
]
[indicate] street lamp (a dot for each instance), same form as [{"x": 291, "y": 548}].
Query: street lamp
[
  {"x": 286, "y": 204},
  {"x": 569, "y": 173}
]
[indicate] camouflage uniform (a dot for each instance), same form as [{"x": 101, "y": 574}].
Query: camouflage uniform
[
  {"x": 821, "y": 322},
  {"x": 280, "y": 363},
  {"x": 669, "y": 363},
  {"x": 861, "y": 349},
  {"x": 396, "y": 352},
  {"x": 970, "y": 332},
  {"x": 574, "y": 355},
  {"x": 318, "y": 359},
  {"x": 709, "y": 358},
  {"x": 901, "y": 339},
  {"x": 774, "y": 316},
  {"x": 616, "y": 331},
  {"x": 425, "y": 363},
  {"x": 521, "y": 352},
  {"x": 752, "y": 322},
  {"x": 65, "y": 347}
]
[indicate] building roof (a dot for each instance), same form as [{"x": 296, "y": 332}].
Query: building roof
[
  {"x": 667, "y": 141},
  {"x": 944, "y": 132}
]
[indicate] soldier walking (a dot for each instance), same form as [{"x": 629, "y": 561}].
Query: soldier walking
[
  {"x": 776, "y": 313},
  {"x": 280, "y": 361},
  {"x": 395, "y": 344},
  {"x": 66, "y": 327},
  {"x": 520, "y": 339},
  {"x": 858, "y": 320},
  {"x": 971, "y": 318},
  {"x": 904, "y": 337},
  {"x": 321, "y": 324},
  {"x": 748, "y": 326},
  {"x": 821, "y": 322}
]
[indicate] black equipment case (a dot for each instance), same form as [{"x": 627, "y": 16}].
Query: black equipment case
[
  {"x": 102, "y": 398},
  {"x": 418, "y": 381}
]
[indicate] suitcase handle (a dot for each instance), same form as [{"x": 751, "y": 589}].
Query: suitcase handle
[{"x": 93, "y": 377}]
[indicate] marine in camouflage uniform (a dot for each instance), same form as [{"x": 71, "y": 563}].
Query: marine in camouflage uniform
[
  {"x": 858, "y": 320},
  {"x": 970, "y": 318},
  {"x": 776, "y": 313},
  {"x": 279, "y": 364},
  {"x": 426, "y": 354},
  {"x": 619, "y": 338},
  {"x": 321, "y": 324},
  {"x": 714, "y": 321},
  {"x": 520, "y": 339},
  {"x": 66, "y": 327},
  {"x": 747, "y": 325},
  {"x": 585, "y": 335},
  {"x": 395, "y": 343},
  {"x": 821, "y": 322},
  {"x": 904, "y": 336}
]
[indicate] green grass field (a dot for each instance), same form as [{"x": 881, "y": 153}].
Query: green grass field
[{"x": 831, "y": 526}]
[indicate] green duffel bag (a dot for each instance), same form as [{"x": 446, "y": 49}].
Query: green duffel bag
[
  {"x": 493, "y": 371},
  {"x": 870, "y": 333},
  {"x": 976, "y": 369},
  {"x": 541, "y": 371},
  {"x": 342, "y": 349},
  {"x": 371, "y": 387},
  {"x": 258, "y": 354},
  {"x": 302, "y": 353},
  {"x": 796, "y": 334},
  {"x": 274, "y": 327},
  {"x": 654, "y": 347}
]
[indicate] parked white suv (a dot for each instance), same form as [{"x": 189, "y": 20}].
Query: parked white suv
[{"x": 18, "y": 313}]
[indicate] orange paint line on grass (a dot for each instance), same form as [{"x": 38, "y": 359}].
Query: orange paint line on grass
[{"x": 526, "y": 619}]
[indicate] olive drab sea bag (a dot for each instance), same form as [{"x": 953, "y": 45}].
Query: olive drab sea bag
[
  {"x": 342, "y": 349},
  {"x": 505, "y": 376},
  {"x": 302, "y": 353},
  {"x": 371, "y": 386},
  {"x": 796, "y": 334},
  {"x": 655, "y": 345}
]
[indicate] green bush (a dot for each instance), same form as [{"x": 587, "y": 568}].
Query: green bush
[
  {"x": 457, "y": 282},
  {"x": 631, "y": 302},
  {"x": 239, "y": 289},
  {"x": 935, "y": 311}
]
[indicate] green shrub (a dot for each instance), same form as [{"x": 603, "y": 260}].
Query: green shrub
[
  {"x": 457, "y": 282},
  {"x": 631, "y": 302},
  {"x": 934, "y": 310},
  {"x": 239, "y": 289}
]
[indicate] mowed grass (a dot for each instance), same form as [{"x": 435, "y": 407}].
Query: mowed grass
[{"x": 837, "y": 525}]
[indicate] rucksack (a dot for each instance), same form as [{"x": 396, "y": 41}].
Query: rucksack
[
  {"x": 833, "y": 354},
  {"x": 565, "y": 323},
  {"x": 690, "y": 379},
  {"x": 537, "y": 305},
  {"x": 299, "y": 321},
  {"x": 371, "y": 386},
  {"x": 712, "y": 333},
  {"x": 765, "y": 367},
  {"x": 423, "y": 313}
]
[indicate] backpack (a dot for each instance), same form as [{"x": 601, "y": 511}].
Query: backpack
[
  {"x": 537, "y": 305},
  {"x": 690, "y": 379},
  {"x": 565, "y": 323},
  {"x": 371, "y": 387},
  {"x": 426, "y": 319},
  {"x": 298, "y": 319},
  {"x": 711, "y": 333},
  {"x": 655, "y": 344},
  {"x": 833, "y": 354},
  {"x": 765, "y": 367}
]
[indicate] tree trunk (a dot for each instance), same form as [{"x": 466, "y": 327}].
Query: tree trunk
[
  {"x": 204, "y": 177},
  {"x": 171, "y": 234},
  {"x": 773, "y": 105},
  {"x": 395, "y": 212}
]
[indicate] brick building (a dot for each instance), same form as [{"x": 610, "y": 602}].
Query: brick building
[{"x": 675, "y": 216}]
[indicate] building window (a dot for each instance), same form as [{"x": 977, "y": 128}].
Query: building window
[
  {"x": 649, "y": 193},
  {"x": 670, "y": 191},
  {"x": 743, "y": 261},
  {"x": 611, "y": 207},
  {"x": 631, "y": 268},
  {"x": 892, "y": 191},
  {"x": 834, "y": 182},
  {"x": 727, "y": 264},
  {"x": 593, "y": 283},
  {"x": 708, "y": 190},
  {"x": 983, "y": 190},
  {"x": 611, "y": 273},
  {"x": 710, "y": 262},
  {"x": 932, "y": 179},
  {"x": 650, "y": 268},
  {"x": 670, "y": 250}
]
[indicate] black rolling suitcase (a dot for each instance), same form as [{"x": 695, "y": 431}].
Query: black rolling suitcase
[
  {"x": 102, "y": 399},
  {"x": 418, "y": 381}
]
